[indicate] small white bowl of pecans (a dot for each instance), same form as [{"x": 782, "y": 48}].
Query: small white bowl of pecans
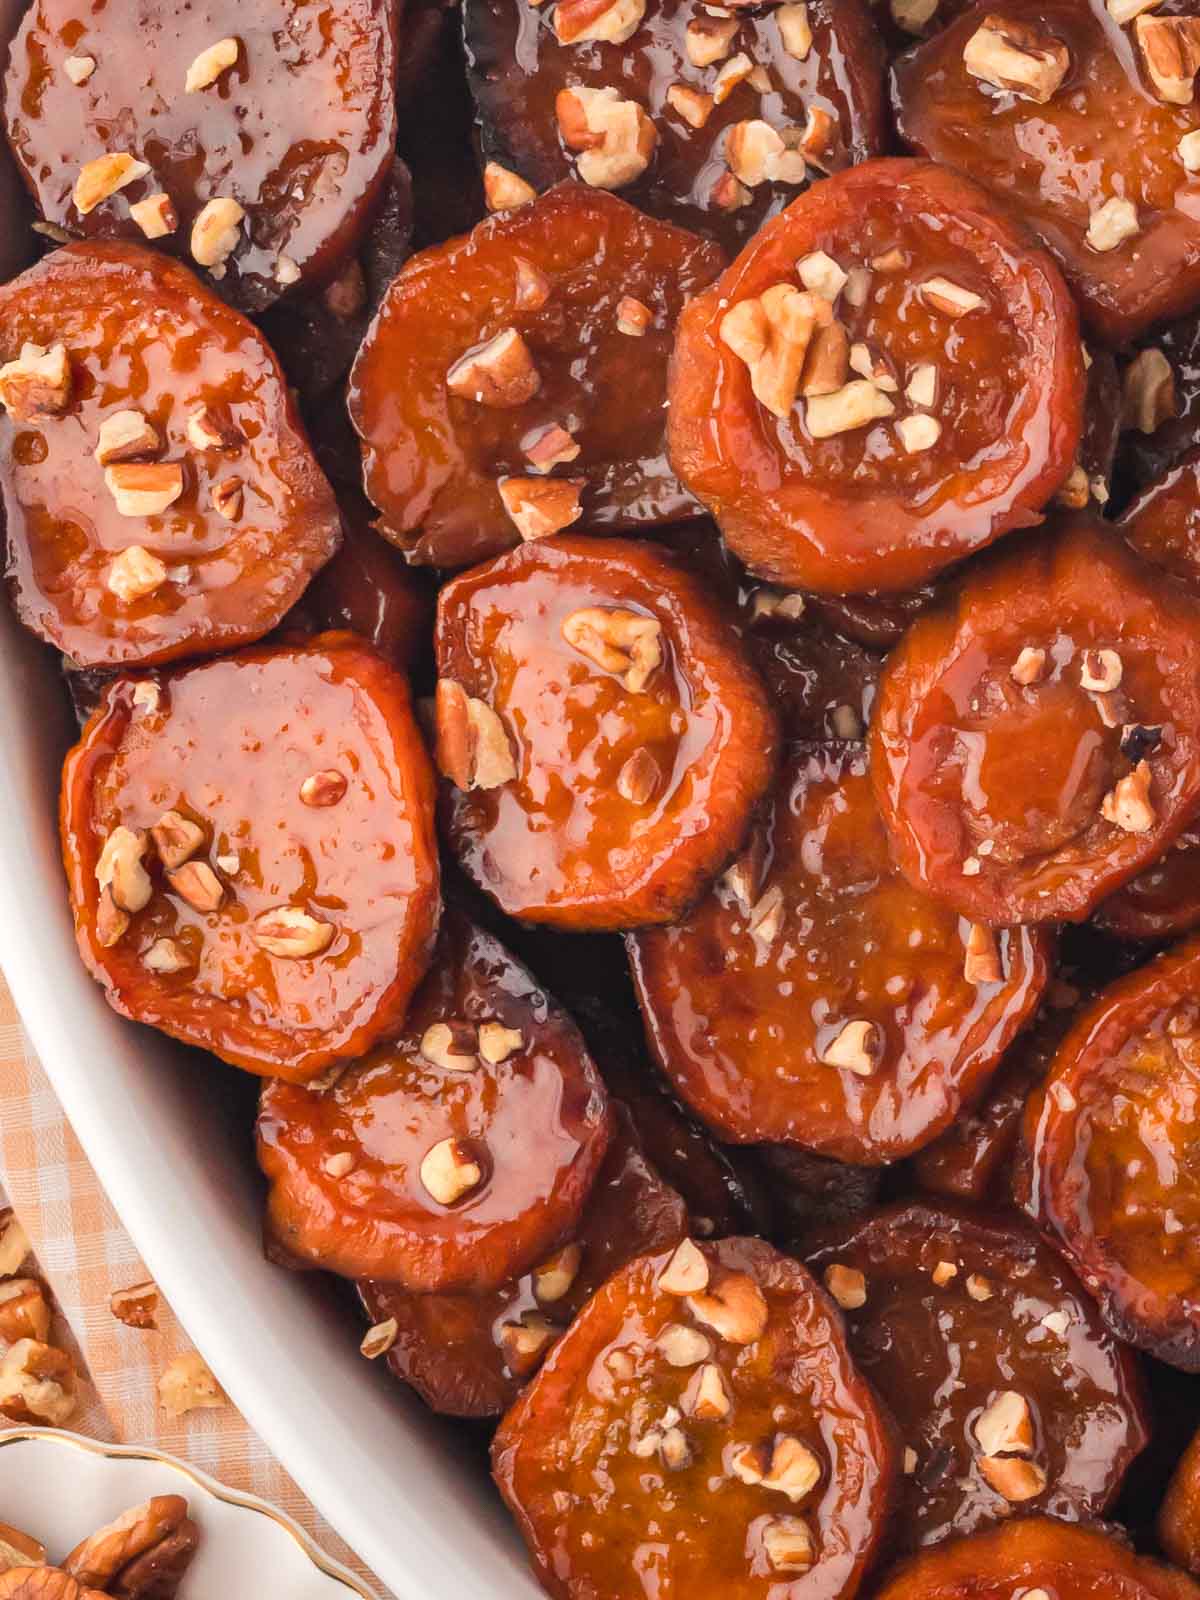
[{"x": 83, "y": 1519}]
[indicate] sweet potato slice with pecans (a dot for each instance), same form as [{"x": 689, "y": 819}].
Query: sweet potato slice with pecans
[
  {"x": 710, "y": 1390},
  {"x": 605, "y": 736},
  {"x": 1078, "y": 121},
  {"x": 1036, "y": 741},
  {"x": 514, "y": 380},
  {"x": 814, "y": 998},
  {"x": 250, "y": 854},
  {"x": 160, "y": 495},
  {"x": 453, "y": 1156},
  {"x": 886, "y": 379},
  {"x": 1009, "y": 1392},
  {"x": 747, "y": 106},
  {"x": 1035, "y": 1554},
  {"x": 254, "y": 144}
]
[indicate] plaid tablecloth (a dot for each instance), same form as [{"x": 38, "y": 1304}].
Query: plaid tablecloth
[{"x": 85, "y": 1254}]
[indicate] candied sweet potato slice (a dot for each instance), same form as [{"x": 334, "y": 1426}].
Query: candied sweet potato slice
[
  {"x": 814, "y": 998},
  {"x": 809, "y": 84},
  {"x": 162, "y": 385},
  {"x": 1114, "y": 1154},
  {"x": 250, "y": 854},
  {"x": 1088, "y": 156},
  {"x": 501, "y": 393},
  {"x": 614, "y": 736},
  {"x": 453, "y": 1156},
  {"x": 711, "y": 1392},
  {"x": 1032, "y": 1554},
  {"x": 886, "y": 379},
  {"x": 286, "y": 114},
  {"x": 1008, "y": 1390},
  {"x": 470, "y": 1355},
  {"x": 1036, "y": 740}
]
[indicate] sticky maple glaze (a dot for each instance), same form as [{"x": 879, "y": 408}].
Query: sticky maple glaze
[
  {"x": 533, "y": 1127},
  {"x": 299, "y": 129},
  {"x": 228, "y": 745},
  {"x": 518, "y": 66},
  {"x": 560, "y": 843},
  {"x": 470, "y": 1355},
  {"x": 580, "y": 1459},
  {"x": 941, "y": 1351},
  {"x": 993, "y": 790},
  {"x": 1102, "y": 134},
  {"x": 812, "y": 936},
  {"x": 433, "y": 460},
  {"x": 1032, "y": 1554},
  {"x": 1114, "y": 1148},
  {"x": 143, "y": 334},
  {"x": 856, "y": 511}
]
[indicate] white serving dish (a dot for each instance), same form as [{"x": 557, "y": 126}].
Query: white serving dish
[
  {"x": 167, "y": 1130},
  {"x": 59, "y": 1488}
]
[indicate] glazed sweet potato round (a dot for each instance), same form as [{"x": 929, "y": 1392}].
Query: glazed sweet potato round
[
  {"x": 710, "y": 1392},
  {"x": 254, "y": 144},
  {"x": 814, "y": 998},
  {"x": 886, "y": 379},
  {"x": 470, "y": 1355},
  {"x": 160, "y": 496},
  {"x": 453, "y": 1156},
  {"x": 1035, "y": 1555},
  {"x": 1008, "y": 1390},
  {"x": 1114, "y": 1151},
  {"x": 1074, "y": 121},
  {"x": 747, "y": 106},
  {"x": 604, "y": 733},
  {"x": 514, "y": 380},
  {"x": 1036, "y": 741},
  {"x": 250, "y": 853}
]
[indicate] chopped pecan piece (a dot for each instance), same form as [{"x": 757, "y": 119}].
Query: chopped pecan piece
[
  {"x": 771, "y": 334},
  {"x": 291, "y": 934},
  {"x": 37, "y": 383},
  {"x": 1012, "y": 55},
  {"x": 126, "y": 435},
  {"x": 155, "y": 215},
  {"x": 103, "y": 177},
  {"x": 540, "y": 506},
  {"x": 37, "y": 1383},
  {"x": 24, "y": 1311},
  {"x": 144, "y": 488},
  {"x": 188, "y": 1385},
  {"x": 473, "y": 749},
  {"x": 614, "y": 137},
  {"x": 617, "y": 640},
  {"x": 602, "y": 21},
  {"x": 1170, "y": 50},
  {"x": 498, "y": 373},
  {"x": 504, "y": 190},
  {"x": 216, "y": 233},
  {"x": 208, "y": 66}
]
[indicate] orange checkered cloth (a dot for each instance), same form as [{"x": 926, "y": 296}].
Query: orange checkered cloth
[{"x": 85, "y": 1254}]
